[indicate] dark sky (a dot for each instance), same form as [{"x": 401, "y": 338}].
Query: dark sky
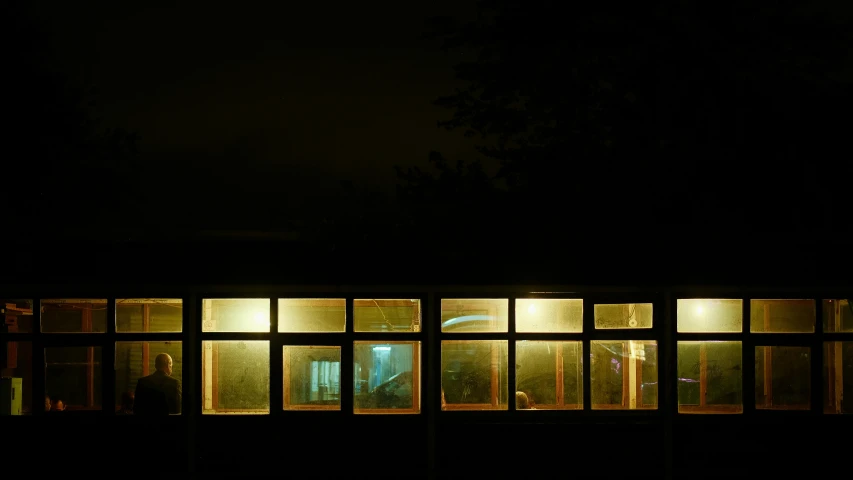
[{"x": 314, "y": 91}]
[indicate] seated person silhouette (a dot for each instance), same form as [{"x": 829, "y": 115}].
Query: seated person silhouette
[
  {"x": 158, "y": 393},
  {"x": 522, "y": 402}
]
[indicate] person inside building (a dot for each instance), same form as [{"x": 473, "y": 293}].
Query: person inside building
[{"x": 158, "y": 393}]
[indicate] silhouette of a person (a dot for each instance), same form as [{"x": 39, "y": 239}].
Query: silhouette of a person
[{"x": 158, "y": 393}]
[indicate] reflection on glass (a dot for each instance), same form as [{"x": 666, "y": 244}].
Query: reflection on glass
[
  {"x": 837, "y": 316},
  {"x": 782, "y": 378},
  {"x": 623, "y": 374},
  {"x": 549, "y": 315},
  {"x": 838, "y": 377},
  {"x": 235, "y": 376},
  {"x": 16, "y": 315},
  {"x": 623, "y": 315},
  {"x": 709, "y": 377},
  {"x": 236, "y": 315},
  {"x": 709, "y": 315},
  {"x": 386, "y": 377},
  {"x": 782, "y": 316},
  {"x": 474, "y": 315},
  {"x": 72, "y": 378},
  {"x": 304, "y": 315},
  {"x": 79, "y": 315},
  {"x": 550, "y": 374},
  {"x": 134, "y": 360},
  {"x": 312, "y": 378},
  {"x": 375, "y": 315},
  {"x": 16, "y": 373},
  {"x": 149, "y": 315},
  {"x": 474, "y": 374}
]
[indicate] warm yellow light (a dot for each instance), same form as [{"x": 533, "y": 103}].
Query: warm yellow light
[
  {"x": 262, "y": 319},
  {"x": 700, "y": 310},
  {"x": 531, "y": 309}
]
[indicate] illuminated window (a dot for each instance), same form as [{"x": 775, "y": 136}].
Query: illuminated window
[
  {"x": 312, "y": 378},
  {"x": 837, "y": 316},
  {"x": 134, "y": 360},
  {"x": 623, "y": 315},
  {"x": 710, "y": 315},
  {"x": 710, "y": 375},
  {"x": 544, "y": 315},
  {"x": 235, "y": 376},
  {"x": 374, "y": 315},
  {"x": 782, "y": 316},
  {"x": 549, "y": 374},
  {"x": 16, "y": 315},
  {"x": 624, "y": 374},
  {"x": 74, "y": 315},
  {"x": 16, "y": 371},
  {"x": 838, "y": 377},
  {"x": 305, "y": 315},
  {"x": 782, "y": 378},
  {"x": 149, "y": 315},
  {"x": 386, "y": 377},
  {"x": 474, "y": 374},
  {"x": 474, "y": 315},
  {"x": 236, "y": 315},
  {"x": 73, "y": 377}
]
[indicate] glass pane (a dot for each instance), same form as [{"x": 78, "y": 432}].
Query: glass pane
[
  {"x": 709, "y": 377},
  {"x": 386, "y": 377},
  {"x": 235, "y": 376},
  {"x": 782, "y": 378},
  {"x": 72, "y": 378},
  {"x": 17, "y": 315},
  {"x": 838, "y": 377},
  {"x": 374, "y": 315},
  {"x": 837, "y": 316},
  {"x": 624, "y": 374},
  {"x": 623, "y": 315},
  {"x": 474, "y": 374},
  {"x": 236, "y": 315},
  {"x": 549, "y": 375},
  {"x": 79, "y": 315},
  {"x": 304, "y": 315},
  {"x": 782, "y": 316},
  {"x": 474, "y": 315},
  {"x": 16, "y": 378},
  {"x": 149, "y": 315},
  {"x": 549, "y": 315},
  {"x": 709, "y": 315},
  {"x": 312, "y": 378},
  {"x": 137, "y": 360}
]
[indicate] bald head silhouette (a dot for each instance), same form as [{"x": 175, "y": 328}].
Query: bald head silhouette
[{"x": 163, "y": 363}]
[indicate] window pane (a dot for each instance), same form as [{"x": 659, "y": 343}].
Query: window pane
[
  {"x": 236, "y": 315},
  {"x": 135, "y": 360},
  {"x": 304, "y": 315},
  {"x": 838, "y": 377},
  {"x": 312, "y": 378},
  {"x": 474, "y": 315},
  {"x": 474, "y": 374},
  {"x": 709, "y": 315},
  {"x": 624, "y": 374},
  {"x": 386, "y": 377},
  {"x": 782, "y": 378},
  {"x": 374, "y": 315},
  {"x": 549, "y": 315},
  {"x": 17, "y": 315},
  {"x": 837, "y": 316},
  {"x": 782, "y": 316},
  {"x": 709, "y": 377},
  {"x": 623, "y": 315},
  {"x": 149, "y": 315},
  {"x": 16, "y": 370},
  {"x": 235, "y": 376},
  {"x": 79, "y": 315},
  {"x": 72, "y": 378},
  {"x": 549, "y": 375}
]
